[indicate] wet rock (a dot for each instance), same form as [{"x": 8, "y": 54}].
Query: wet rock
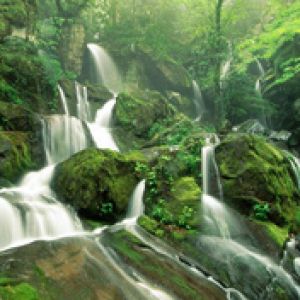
[
  {"x": 71, "y": 47},
  {"x": 136, "y": 113},
  {"x": 97, "y": 183},
  {"x": 254, "y": 172},
  {"x": 252, "y": 126}
]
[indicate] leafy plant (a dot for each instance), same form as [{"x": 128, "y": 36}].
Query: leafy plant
[
  {"x": 161, "y": 214},
  {"x": 106, "y": 208},
  {"x": 261, "y": 211},
  {"x": 185, "y": 216}
]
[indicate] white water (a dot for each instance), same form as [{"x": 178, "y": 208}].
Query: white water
[
  {"x": 295, "y": 165},
  {"x": 220, "y": 223},
  {"x": 106, "y": 71},
  {"x": 136, "y": 204},
  {"x": 198, "y": 100},
  {"x": 100, "y": 128},
  {"x": 63, "y": 100},
  {"x": 63, "y": 136},
  {"x": 258, "y": 88},
  {"x": 29, "y": 211},
  {"x": 83, "y": 106},
  {"x": 216, "y": 216}
]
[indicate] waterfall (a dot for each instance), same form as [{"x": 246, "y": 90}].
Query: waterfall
[
  {"x": 105, "y": 71},
  {"x": 83, "y": 106},
  {"x": 30, "y": 211},
  {"x": 100, "y": 130},
  {"x": 136, "y": 204},
  {"x": 216, "y": 216},
  {"x": 63, "y": 100},
  {"x": 198, "y": 100},
  {"x": 258, "y": 89},
  {"x": 221, "y": 225},
  {"x": 260, "y": 77},
  {"x": 63, "y": 136},
  {"x": 295, "y": 165}
]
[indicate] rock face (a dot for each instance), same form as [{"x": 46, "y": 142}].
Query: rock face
[
  {"x": 16, "y": 117},
  {"x": 136, "y": 114},
  {"x": 255, "y": 172},
  {"x": 97, "y": 183},
  {"x": 15, "y": 155},
  {"x": 72, "y": 46}
]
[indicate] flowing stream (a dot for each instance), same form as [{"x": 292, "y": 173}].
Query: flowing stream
[
  {"x": 221, "y": 223},
  {"x": 198, "y": 101}
]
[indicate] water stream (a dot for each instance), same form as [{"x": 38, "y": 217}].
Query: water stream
[{"x": 220, "y": 224}]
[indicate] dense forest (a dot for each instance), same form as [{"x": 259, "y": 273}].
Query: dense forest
[{"x": 149, "y": 149}]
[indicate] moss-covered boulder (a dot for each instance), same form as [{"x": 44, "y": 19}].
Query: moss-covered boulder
[
  {"x": 136, "y": 113},
  {"x": 97, "y": 183},
  {"x": 184, "y": 202},
  {"x": 16, "y": 156},
  {"x": 257, "y": 178},
  {"x": 164, "y": 73}
]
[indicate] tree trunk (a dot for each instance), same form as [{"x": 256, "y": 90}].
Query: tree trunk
[{"x": 218, "y": 52}]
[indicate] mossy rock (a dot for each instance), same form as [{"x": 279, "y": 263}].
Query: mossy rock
[
  {"x": 97, "y": 183},
  {"x": 22, "y": 291},
  {"x": 137, "y": 113},
  {"x": 16, "y": 117},
  {"x": 185, "y": 194},
  {"x": 163, "y": 74},
  {"x": 256, "y": 172},
  {"x": 15, "y": 155}
]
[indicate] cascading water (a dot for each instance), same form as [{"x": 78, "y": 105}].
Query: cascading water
[
  {"x": 100, "y": 128},
  {"x": 295, "y": 165},
  {"x": 30, "y": 211},
  {"x": 136, "y": 204},
  {"x": 258, "y": 89},
  {"x": 83, "y": 106},
  {"x": 63, "y": 100},
  {"x": 220, "y": 223},
  {"x": 63, "y": 136},
  {"x": 215, "y": 214},
  {"x": 105, "y": 71},
  {"x": 198, "y": 101}
]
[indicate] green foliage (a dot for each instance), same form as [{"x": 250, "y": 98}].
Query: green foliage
[
  {"x": 22, "y": 291},
  {"x": 161, "y": 213},
  {"x": 261, "y": 211},
  {"x": 106, "y": 208},
  {"x": 186, "y": 215}
]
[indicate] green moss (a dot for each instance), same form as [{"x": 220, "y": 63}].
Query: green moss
[
  {"x": 22, "y": 291},
  {"x": 16, "y": 155},
  {"x": 96, "y": 178},
  {"x": 256, "y": 172},
  {"x": 278, "y": 234}
]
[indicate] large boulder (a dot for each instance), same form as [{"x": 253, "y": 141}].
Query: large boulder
[
  {"x": 135, "y": 115},
  {"x": 255, "y": 173},
  {"x": 97, "y": 183}
]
